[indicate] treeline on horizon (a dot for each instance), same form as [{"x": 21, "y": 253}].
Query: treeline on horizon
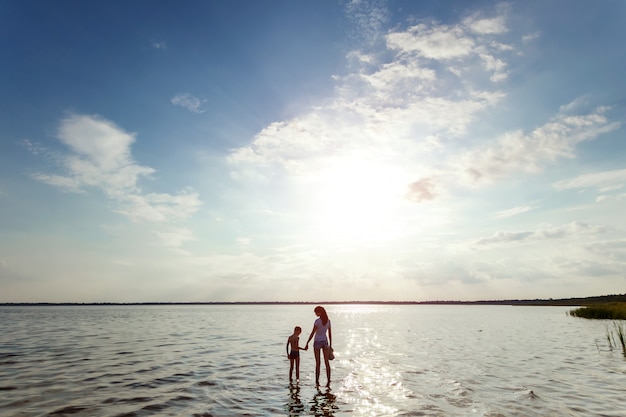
[{"x": 579, "y": 301}]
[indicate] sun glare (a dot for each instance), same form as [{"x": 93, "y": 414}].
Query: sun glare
[{"x": 356, "y": 201}]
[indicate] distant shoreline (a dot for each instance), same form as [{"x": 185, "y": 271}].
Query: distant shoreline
[{"x": 514, "y": 302}]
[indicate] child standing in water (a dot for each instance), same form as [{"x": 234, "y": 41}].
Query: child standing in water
[{"x": 294, "y": 355}]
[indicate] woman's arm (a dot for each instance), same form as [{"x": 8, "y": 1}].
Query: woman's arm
[
  {"x": 330, "y": 336},
  {"x": 311, "y": 335}
]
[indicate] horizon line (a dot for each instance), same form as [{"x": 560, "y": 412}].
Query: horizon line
[{"x": 543, "y": 301}]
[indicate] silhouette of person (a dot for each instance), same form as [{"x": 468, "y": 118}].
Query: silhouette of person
[
  {"x": 294, "y": 354},
  {"x": 321, "y": 327}
]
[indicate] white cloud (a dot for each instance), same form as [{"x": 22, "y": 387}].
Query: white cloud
[
  {"x": 610, "y": 188},
  {"x": 422, "y": 190},
  {"x": 159, "y": 45},
  {"x": 392, "y": 77},
  {"x": 516, "y": 151},
  {"x": 159, "y": 207},
  {"x": 369, "y": 18},
  {"x": 497, "y": 66},
  {"x": 100, "y": 157},
  {"x": 589, "y": 268},
  {"x": 574, "y": 105},
  {"x": 432, "y": 42},
  {"x": 189, "y": 102},
  {"x": 381, "y": 109},
  {"x": 456, "y": 42},
  {"x": 486, "y": 26},
  {"x": 531, "y": 37},
  {"x": 605, "y": 181},
  {"x": 391, "y": 105},
  {"x": 175, "y": 237},
  {"x": 65, "y": 183},
  {"x": 33, "y": 148},
  {"x": 573, "y": 229},
  {"x": 611, "y": 249},
  {"x": 514, "y": 211}
]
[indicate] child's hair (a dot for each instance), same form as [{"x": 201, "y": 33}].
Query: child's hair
[
  {"x": 322, "y": 313},
  {"x": 297, "y": 329}
]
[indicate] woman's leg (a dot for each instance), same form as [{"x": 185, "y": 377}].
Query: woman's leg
[
  {"x": 317, "y": 366},
  {"x": 327, "y": 363}
]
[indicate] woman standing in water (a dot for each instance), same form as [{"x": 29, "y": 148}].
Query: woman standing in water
[{"x": 320, "y": 328}]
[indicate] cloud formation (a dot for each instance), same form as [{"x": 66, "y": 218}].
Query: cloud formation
[
  {"x": 514, "y": 211},
  {"x": 421, "y": 190},
  {"x": 99, "y": 156},
  {"x": 401, "y": 105},
  {"x": 604, "y": 181},
  {"x": 392, "y": 103},
  {"x": 573, "y": 229},
  {"x": 189, "y": 102},
  {"x": 520, "y": 152}
]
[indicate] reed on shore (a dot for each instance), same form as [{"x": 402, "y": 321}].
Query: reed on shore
[
  {"x": 608, "y": 311},
  {"x": 616, "y": 337}
]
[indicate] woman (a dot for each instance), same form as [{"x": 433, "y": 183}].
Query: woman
[{"x": 320, "y": 328}]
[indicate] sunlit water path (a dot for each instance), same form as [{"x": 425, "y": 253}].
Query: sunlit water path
[{"x": 230, "y": 361}]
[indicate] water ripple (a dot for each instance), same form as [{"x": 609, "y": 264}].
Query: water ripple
[{"x": 208, "y": 361}]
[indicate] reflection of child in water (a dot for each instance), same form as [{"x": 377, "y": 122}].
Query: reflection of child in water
[{"x": 294, "y": 355}]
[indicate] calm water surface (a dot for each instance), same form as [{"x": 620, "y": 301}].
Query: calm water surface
[{"x": 230, "y": 361}]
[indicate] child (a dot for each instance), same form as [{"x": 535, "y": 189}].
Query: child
[{"x": 294, "y": 355}]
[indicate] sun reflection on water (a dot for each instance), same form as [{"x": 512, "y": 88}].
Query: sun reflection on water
[{"x": 373, "y": 385}]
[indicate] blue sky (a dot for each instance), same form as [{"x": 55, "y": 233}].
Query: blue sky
[{"x": 306, "y": 151}]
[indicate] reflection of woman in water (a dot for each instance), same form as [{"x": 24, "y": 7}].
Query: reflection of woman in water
[
  {"x": 323, "y": 404},
  {"x": 320, "y": 328},
  {"x": 294, "y": 405}
]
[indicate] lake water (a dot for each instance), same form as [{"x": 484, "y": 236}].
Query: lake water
[{"x": 229, "y": 360}]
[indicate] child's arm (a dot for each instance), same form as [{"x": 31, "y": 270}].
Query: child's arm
[
  {"x": 287, "y": 347},
  {"x": 298, "y": 345}
]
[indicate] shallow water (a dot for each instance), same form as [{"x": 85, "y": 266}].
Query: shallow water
[{"x": 391, "y": 360}]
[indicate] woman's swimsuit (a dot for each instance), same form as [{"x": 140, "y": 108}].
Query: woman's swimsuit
[{"x": 320, "y": 334}]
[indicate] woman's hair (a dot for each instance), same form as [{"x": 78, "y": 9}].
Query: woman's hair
[{"x": 322, "y": 313}]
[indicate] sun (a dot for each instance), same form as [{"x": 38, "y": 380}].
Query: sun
[{"x": 357, "y": 201}]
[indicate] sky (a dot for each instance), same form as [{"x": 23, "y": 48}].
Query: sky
[{"x": 287, "y": 150}]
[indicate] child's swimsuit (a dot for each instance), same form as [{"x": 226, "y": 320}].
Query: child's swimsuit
[{"x": 294, "y": 354}]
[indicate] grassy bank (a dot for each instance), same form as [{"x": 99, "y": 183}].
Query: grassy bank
[{"x": 608, "y": 311}]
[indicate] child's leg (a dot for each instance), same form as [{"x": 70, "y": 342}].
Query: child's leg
[
  {"x": 298, "y": 368},
  {"x": 291, "y": 361}
]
